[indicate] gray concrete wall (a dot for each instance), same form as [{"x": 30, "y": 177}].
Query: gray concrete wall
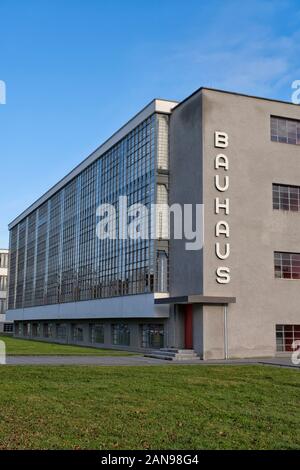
[
  {"x": 256, "y": 230},
  {"x": 198, "y": 329},
  {"x": 176, "y": 328},
  {"x": 186, "y": 185},
  {"x": 214, "y": 332}
]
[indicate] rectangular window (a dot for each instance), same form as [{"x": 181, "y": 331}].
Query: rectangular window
[
  {"x": 61, "y": 331},
  {"x": 26, "y": 329},
  {"x": 287, "y": 265},
  {"x": 97, "y": 333},
  {"x": 2, "y": 306},
  {"x": 3, "y": 260},
  {"x": 152, "y": 336},
  {"x": 284, "y": 130},
  {"x": 120, "y": 334},
  {"x": 286, "y": 197},
  {"x": 77, "y": 332},
  {"x": 35, "y": 330},
  {"x": 8, "y": 328},
  {"x": 285, "y": 337},
  {"x": 46, "y": 330},
  {"x": 3, "y": 283}
]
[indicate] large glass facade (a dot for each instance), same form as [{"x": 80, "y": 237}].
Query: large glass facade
[{"x": 56, "y": 256}]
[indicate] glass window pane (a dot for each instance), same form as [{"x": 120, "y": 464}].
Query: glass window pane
[{"x": 285, "y": 130}]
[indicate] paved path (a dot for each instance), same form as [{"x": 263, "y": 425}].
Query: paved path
[{"x": 138, "y": 361}]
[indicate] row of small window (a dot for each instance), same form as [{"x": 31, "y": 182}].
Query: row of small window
[
  {"x": 152, "y": 335},
  {"x": 286, "y": 336}
]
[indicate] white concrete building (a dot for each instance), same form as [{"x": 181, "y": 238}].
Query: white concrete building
[
  {"x": 5, "y": 326},
  {"x": 238, "y": 295}
]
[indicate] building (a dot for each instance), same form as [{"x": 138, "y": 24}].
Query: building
[
  {"x": 235, "y": 295},
  {"x": 5, "y": 326}
]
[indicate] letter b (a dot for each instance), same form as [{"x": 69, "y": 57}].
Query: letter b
[{"x": 221, "y": 140}]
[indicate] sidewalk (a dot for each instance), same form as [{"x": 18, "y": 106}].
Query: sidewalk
[{"x": 139, "y": 361}]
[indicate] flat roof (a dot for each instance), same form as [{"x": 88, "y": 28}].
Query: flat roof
[
  {"x": 235, "y": 93},
  {"x": 155, "y": 106}
]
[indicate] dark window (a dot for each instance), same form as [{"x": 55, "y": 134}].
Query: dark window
[
  {"x": 26, "y": 329},
  {"x": 287, "y": 265},
  {"x": 46, "y": 330},
  {"x": 77, "y": 333},
  {"x": 285, "y": 337},
  {"x": 152, "y": 336},
  {"x": 286, "y": 197},
  {"x": 8, "y": 328},
  {"x": 61, "y": 331},
  {"x": 97, "y": 333},
  {"x": 35, "y": 329},
  {"x": 284, "y": 130},
  {"x": 120, "y": 334},
  {"x": 17, "y": 329}
]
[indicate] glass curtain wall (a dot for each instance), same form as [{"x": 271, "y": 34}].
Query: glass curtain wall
[{"x": 56, "y": 256}]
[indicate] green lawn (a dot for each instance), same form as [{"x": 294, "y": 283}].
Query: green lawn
[
  {"x": 22, "y": 347},
  {"x": 168, "y": 407}
]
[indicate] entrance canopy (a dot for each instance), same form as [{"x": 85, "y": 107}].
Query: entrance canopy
[{"x": 196, "y": 299}]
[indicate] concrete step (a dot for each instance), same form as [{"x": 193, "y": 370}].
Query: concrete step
[
  {"x": 164, "y": 353},
  {"x": 174, "y": 350},
  {"x": 159, "y": 356},
  {"x": 173, "y": 354},
  {"x": 186, "y": 357}
]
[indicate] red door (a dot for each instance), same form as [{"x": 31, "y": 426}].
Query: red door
[{"x": 188, "y": 326}]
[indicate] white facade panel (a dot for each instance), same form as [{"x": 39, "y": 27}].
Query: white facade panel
[{"x": 133, "y": 306}]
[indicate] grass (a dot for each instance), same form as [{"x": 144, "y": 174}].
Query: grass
[
  {"x": 22, "y": 347},
  {"x": 168, "y": 407}
]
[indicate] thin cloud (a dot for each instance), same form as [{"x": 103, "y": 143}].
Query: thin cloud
[{"x": 237, "y": 53}]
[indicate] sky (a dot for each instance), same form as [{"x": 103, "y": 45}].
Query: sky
[{"x": 75, "y": 71}]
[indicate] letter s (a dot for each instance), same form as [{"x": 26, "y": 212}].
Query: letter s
[{"x": 223, "y": 275}]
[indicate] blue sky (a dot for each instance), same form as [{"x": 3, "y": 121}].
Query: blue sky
[{"x": 77, "y": 70}]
